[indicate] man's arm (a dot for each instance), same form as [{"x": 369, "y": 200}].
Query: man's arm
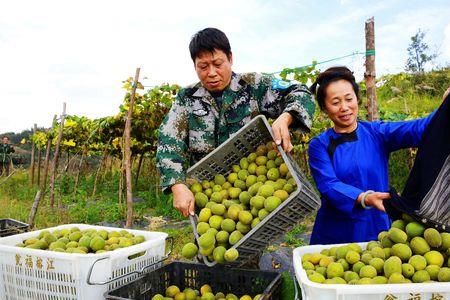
[{"x": 172, "y": 155}]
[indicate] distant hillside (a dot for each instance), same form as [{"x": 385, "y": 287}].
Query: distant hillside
[{"x": 410, "y": 95}]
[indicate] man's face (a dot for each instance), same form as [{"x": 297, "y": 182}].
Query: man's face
[
  {"x": 214, "y": 69},
  {"x": 5, "y": 140}
]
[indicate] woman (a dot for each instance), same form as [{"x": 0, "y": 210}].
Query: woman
[{"x": 349, "y": 162}]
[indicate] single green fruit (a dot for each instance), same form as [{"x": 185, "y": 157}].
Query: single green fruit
[
  {"x": 352, "y": 257},
  {"x": 402, "y": 251},
  {"x": 420, "y": 276},
  {"x": 444, "y": 275},
  {"x": 368, "y": 272},
  {"x": 378, "y": 264},
  {"x": 219, "y": 254},
  {"x": 316, "y": 277},
  {"x": 407, "y": 270},
  {"x": 433, "y": 237},
  {"x": 231, "y": 254},
  {"x": 206, "y": 240},
  {"x": 414, "y": 229},
  {"x": 222, "y": 236},
  {"x": 172, "y": 290},
  {"x": 419, "y": 245},
  {"x": 396, "y": 278},
  {"x": 335, "y": 269},
  {"x": 400, "y": 224},
  {"x": 397, "y": 235},
  {"x": 418, "y": 262},
  {"x": 235, "y": 237},
  {"x": 189, "y": 250},
  {"x": 434, "y": 257},
  {"x": 392, "y": 265}
]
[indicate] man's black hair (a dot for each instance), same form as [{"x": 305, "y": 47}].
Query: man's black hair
[{"x": 209, "y": 39}]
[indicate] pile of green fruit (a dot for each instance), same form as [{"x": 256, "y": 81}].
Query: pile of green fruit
[
  {"x": 74, "y": 240},
  {"x": 407, "y": 253},
  {"x": 229, "y": 207},
  {"x": 205, "y": 293}
]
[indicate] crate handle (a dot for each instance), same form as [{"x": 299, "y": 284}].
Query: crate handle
[
  {"x": 194, "y": 229},
  {"x": 171, "y": 240},
  {"x": 295, "y": 288}
]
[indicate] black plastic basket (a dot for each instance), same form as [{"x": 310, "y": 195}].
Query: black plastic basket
[
  {"x": 300, "y": 204},
  {"x": 10, "y": 227},
  {"x": 190, "y": 275}
]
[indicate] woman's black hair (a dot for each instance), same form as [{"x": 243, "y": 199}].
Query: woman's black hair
[
  {"x": 319, "y": 87},
  {"x": 207, "y": 40}
]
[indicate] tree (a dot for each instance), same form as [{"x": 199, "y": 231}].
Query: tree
[{"x": 418, "y": 53}]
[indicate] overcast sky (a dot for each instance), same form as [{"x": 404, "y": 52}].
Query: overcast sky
[{"x": 80, "y": 51}]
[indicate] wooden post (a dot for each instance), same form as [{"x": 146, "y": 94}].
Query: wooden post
[
  {"x": 127, "y": 157},
  {"x": 47, "y": 161},
  {"x": 97, "y": 175},
  {"x": 41, "y": 192},
  {"x": 55, "y": 158},
  {"x": 39, "y": 166},
  {"x": 33, "y": 149},
  {"x": 141, "y": 158},
  {"x": 80, "y": 164},
  {"x": 369, "y": 75}
]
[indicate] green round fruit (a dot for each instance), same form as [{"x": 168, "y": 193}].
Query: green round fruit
[
  {"x": 335, "y": 270},
  {"x": 189, "y": 250},
  {"x": 231, "y": 254}
]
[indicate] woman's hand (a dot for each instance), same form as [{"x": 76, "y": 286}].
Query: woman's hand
[
  {"x": 280, "y": 128},
  {"x": 183, "y": 199},
  {"x": 375, "y": 199}
]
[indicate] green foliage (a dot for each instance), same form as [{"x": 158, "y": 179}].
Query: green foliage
[
  {"x": 418, "y": 53},
  {"x": 291, "y": 239},
  {"x": 287, "y": 286},
  {"x": 303, "y": 75}
]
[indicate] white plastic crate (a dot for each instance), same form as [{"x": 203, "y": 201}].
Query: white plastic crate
[
  {"x": 318, "y": 291},
  {"x": 47, "y": 275}
]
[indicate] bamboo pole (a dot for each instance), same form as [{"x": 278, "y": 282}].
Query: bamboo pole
[
  {"x": 41, "y": 192},
  {"x": 141, "y": 158},
  {"x": 39, "y": 166},
  {"x": 55, "y": 158},
  {"x": 80, "y": 164},
  {"x": 104, "y": 155},
  {"x": 33, "y": 150}
]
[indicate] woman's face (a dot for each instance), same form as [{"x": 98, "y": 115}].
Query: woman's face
[{"x": 341, "y": 105}]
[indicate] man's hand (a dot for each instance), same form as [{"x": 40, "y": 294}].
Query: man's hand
[
  {"x": 183, "y": 199},
  {"x": 376, "y": 200},
  {"x": 280, "y": 129}
]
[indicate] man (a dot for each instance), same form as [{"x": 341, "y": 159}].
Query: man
[
  {"x": 206, "y": 114},
  {"x": 5, "y": 155}
]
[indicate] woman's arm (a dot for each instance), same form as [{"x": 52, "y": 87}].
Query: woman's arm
[
  {"x": 402, "y": 134},
  {"x": 340, "y": 195}
]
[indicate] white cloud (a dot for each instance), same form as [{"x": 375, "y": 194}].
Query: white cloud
[{"x": 446, "y": 42}]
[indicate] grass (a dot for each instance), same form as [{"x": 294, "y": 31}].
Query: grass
[{"x": 16, "y": 198}]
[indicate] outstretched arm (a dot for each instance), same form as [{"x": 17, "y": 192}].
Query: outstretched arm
[{"x": 342, "y": 196}]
